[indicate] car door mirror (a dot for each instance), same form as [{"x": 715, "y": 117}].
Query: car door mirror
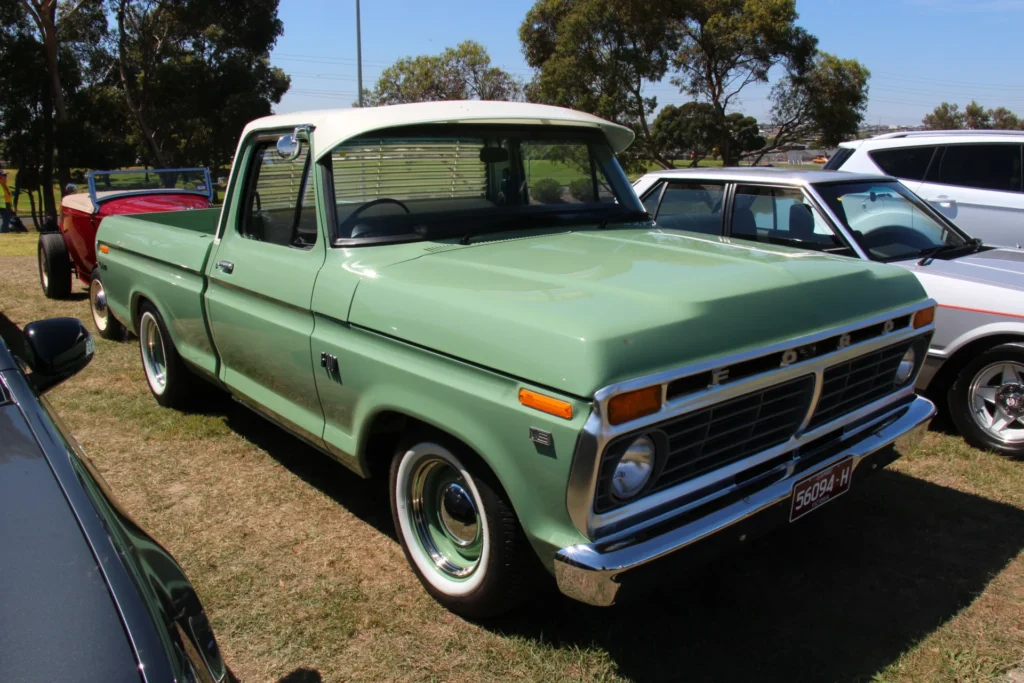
[
  {"x": 945, "y": 205},
  {"x": 57, "y": 348}
]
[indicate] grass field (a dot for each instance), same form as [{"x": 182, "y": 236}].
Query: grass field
[{"x": 915, "y": 576}]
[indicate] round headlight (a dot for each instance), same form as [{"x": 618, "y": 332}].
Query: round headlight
[
  {"x": 634, "y": 468},
  {"x": 906, "y": 367}
]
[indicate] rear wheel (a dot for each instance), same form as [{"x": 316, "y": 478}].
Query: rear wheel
[
  {"x": 54, "y": 266},
  {"x": 457, "y": 528},
  {"x": 107, "y": 326},
  {"x": 986, "y": 402},
  {"x": 172, "y": 384}
]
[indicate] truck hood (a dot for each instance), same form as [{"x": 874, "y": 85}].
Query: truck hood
[
  {"x": 994, "y": 267},
  {"x": 577, "y": 311}
]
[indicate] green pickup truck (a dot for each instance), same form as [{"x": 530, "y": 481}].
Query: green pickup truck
[{"x": 468, "y": 298}]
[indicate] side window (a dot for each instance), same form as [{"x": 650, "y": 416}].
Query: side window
[
  {"x": 696, "y": 207},
  {"x": 909, "y": 163},
  {"x": 279, "y": 200},
  {"x": 986, "y": 167},
  {"x": 650, "y": 202},
  {"x": 781, "y": 216}
]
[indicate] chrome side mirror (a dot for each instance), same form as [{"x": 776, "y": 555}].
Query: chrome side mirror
[{"x": 290, "y": 146}]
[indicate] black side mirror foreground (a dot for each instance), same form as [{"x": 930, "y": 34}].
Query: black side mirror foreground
[{"x": 57, "y": 348}]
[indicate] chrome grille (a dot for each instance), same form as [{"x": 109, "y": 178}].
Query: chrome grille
[
  {"x": 849, "y": 386},
  {"x": 716, "y": 436}
]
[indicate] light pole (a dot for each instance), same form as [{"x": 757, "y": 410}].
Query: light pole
[{"x": 359, "y": 57}]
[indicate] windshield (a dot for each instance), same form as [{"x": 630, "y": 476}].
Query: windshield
[
  {"x": 186, "y": 179},
  {"x": 888, "y": 221},
  {"x": 446, "y": 180}
]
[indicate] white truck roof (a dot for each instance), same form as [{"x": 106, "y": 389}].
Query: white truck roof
[{"x": 334, "y": 126}]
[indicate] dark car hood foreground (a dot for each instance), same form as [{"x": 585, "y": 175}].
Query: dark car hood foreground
[
  {"x": 579, "y": 310},
  {"x": 57, "y": 619}
]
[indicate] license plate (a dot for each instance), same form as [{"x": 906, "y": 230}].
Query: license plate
[{"x": 811, "y": 493}]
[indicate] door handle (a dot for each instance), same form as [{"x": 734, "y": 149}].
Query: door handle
[{"x": 226, "y": 266}]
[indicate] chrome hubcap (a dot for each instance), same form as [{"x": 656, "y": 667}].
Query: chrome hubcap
[
  {"x": 98, "y": 301},
  {"x": 458, "y": 515},
  {"x": 445, "y": 518},
  {"x": 997, "y": 401},
  {"x": 153, "y": 352},
  {"x": 42, "y": 271}
]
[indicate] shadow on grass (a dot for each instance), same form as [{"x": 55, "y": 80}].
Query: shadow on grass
[
  {"x": 835, "y": 597},
  {"x": 367, "y": 499},
  {"x": 302, "y": 675}
]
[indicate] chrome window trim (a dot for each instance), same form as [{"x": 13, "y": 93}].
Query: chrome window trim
[
  {"x": 6, "y": 396},
  {"x": 597, "y": 434}
]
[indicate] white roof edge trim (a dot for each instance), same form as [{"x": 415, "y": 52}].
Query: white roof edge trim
[{"x": 334, "y": 126}]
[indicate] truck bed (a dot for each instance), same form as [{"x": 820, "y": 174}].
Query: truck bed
[
  {"x": 198, "y": 220},
  {"x": 162, "y": 257}
]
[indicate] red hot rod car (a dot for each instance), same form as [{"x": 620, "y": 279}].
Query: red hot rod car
[{"x": 72, "y": 250}]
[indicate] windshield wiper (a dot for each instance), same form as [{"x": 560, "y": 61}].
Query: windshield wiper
[
  {"x": 627, "y": 216},
  {"x": 929, "y": 254}
]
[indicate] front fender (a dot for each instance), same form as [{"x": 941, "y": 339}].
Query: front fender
[
  {"x": 477, "y": 406},
  {"x": 956, "y": 328}
]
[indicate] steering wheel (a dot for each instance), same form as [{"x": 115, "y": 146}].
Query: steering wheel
[
  {"x": 895, "y": 234},
  {"x": 383, "y": 200}
]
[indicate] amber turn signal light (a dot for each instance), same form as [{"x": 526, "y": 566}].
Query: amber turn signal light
[
  {"x": 104, "y": 249},
  {"x": 545, "y": 404},
  {"x": 634, "y": 404},
  {"x": 924, "y": 317}
]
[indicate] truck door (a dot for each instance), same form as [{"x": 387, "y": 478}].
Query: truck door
[{"x": 261, "y": 279}]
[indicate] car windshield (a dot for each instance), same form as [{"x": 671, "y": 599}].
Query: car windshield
[
  {"x": 451, "y": 180},
  {"x": 888, "y": 221},
  {"x": 187, "y": 179}
]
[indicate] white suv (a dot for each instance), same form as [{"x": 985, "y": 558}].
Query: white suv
[{"x": 971, "y": 176}]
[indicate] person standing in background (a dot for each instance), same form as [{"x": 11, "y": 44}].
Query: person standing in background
[{"x": 7, "y": 211}]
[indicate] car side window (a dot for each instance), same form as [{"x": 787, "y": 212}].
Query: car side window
[
  {"x": 652, "y": 198},
  {"x": 986, "y": 167},
  {"x": 909, "y": 163},
  {"x": 783, "y": 216},
  {"x": 692, "y": 206},
  {"x": 279, "y": 206}
]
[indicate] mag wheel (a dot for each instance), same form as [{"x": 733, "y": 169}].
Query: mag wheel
[{"x": 987, "y": 400}]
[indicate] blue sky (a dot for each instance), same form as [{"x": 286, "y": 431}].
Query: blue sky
[{"x": 920, "y": 52}]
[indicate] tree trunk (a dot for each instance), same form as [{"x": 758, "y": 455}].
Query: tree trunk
[
  {"x": 652, "y": 149},
  {"x": 135, "y": 108},
  {"x": 49, "y": 207},
  {"x": 32, "y": 207},
  {"x": 46, "y": 18}
]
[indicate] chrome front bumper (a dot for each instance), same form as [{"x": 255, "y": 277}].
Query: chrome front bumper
[{"x": 593, "y": 572}]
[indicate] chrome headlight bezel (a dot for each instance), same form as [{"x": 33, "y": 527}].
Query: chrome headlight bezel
[
  {"x": 906, "y": 370},
  {"x": 637, "y": 461}
]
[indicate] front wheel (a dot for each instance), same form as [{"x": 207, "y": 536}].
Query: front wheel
[
  {"x": 107, "y": 326},
  {"x": 986, "y": 402},
  {"x": 458, "y": 531}
]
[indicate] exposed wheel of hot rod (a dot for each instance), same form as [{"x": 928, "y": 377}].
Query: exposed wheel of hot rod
[{"x": 54, "y": 266}]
